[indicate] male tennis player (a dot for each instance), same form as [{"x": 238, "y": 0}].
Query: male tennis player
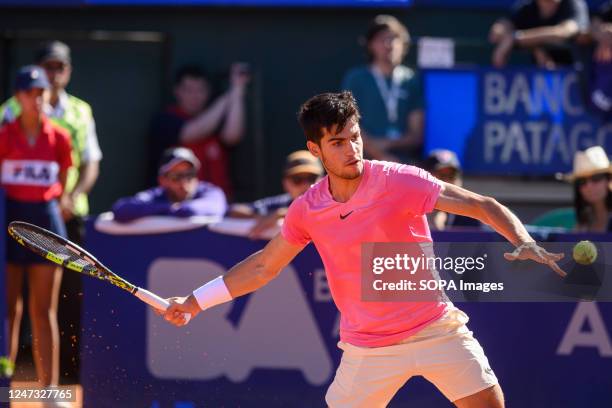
[{"x": 384, "y": 343}]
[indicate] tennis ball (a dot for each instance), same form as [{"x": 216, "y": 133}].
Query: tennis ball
[
  {"x": 6, "y": 368},
  {"x": 585, "y": 252}
]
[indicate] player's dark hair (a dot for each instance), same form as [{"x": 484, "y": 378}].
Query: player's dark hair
[
  {"x": 189, "y": 71},
  {"x": 585, "y": 211},
  {"x": 323, "y": 111},
  {"x": 384, "y": 22}
]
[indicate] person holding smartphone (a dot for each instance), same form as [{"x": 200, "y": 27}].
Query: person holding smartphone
[{"x": 207, "y": 127}]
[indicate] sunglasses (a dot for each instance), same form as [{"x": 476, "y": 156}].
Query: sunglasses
[
  {"x": 595, "y": 178},
  {"x": 304, "y": 178},
  {"x": 180, "y": 176}
]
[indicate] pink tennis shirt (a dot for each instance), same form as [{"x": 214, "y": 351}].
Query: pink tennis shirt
[{"x": 390, "y": 205}]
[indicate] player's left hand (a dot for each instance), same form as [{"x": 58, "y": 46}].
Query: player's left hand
[{"x": 531, "y": 250}]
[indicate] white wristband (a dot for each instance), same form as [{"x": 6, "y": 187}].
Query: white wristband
[{"x": 212, "y": 293}]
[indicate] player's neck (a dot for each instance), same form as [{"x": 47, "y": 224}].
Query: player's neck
[{"x": 342, "y": 189}]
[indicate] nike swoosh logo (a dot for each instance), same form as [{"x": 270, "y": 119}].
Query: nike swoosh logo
[{"x": 346, "y": 215}]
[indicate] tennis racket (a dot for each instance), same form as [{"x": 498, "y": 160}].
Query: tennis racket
[{"x": 71, "y": 256}]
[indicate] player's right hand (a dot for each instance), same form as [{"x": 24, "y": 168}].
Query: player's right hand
[{"x": 179, "y": 306}]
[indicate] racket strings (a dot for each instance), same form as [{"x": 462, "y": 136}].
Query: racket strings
[
  {"x": 65, "y": 253},
  {"x": 68, "y": 255}
]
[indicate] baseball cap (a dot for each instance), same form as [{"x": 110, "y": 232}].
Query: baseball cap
[
  {"x": 54, "y": 51},
  {"x": 441, "y": 158},
  {"x": 302, "y": 161},
  {"x": 29, "y": 77},
  {"x": 176, "y": 155}
]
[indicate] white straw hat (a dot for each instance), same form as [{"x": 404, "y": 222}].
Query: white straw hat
[{"x": 593, "y": 160}]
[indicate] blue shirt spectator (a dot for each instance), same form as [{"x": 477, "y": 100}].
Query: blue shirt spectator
[
  {"x": 179, "y": 193},
  {"x": 389, "y": 94}
]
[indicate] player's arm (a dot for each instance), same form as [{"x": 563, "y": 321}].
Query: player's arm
[
  {"x": 457, "y": 200},
  {"x": 245, "y": 277}
]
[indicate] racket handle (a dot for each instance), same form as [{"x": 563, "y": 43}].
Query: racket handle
[{"x": 157, "y": 302}]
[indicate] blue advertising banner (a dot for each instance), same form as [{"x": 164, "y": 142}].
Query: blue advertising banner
[
  {"x": 277, "y": 346},
  {"x": 515, "y": 121}
]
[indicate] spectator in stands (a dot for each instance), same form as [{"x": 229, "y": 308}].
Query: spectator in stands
[
  {"x": 74, "y": 115},
  {"x": 546, "y": 27},
  {"x": 207, "y": 129},
  {"x": 302, "y": 170},
  {"x": 601, "y": 83},
  {"x": 389, "y": 94},
  {"x": 444, "y": 165},
  {"x": 179, "y": 194},
  {"x": 592, "y": 192},
  {"x": 35, "y": 156}
]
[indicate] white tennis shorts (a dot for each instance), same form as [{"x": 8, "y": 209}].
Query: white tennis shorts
[{"x": 445, "y": 353}]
